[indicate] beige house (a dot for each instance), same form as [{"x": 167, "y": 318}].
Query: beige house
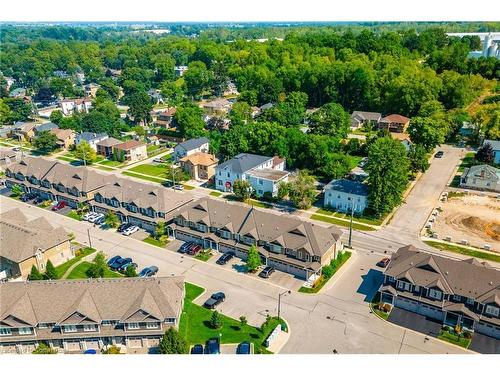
[
  {"x": 71, "y": 316},
  {"x": 65, "y": 137},
  {"x": 132, "y": 150},
  {"x": 200, "y": 165},
  {"x": 105, "y": 147},
  {"x": 394, "y": 123},
  {"x": 26, "y": 243}
]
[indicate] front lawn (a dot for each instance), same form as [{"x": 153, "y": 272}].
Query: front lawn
[
  {"x": 260, "y": 204},
  {"x": 112, "y": 163},
  {"x": 142, "y": 177},
  {"x": 74, "y": 215},
  {"x": 468, "y": 161},
  {"x": 188, "y": 187},
  {"x": 215, "y": 193},
  {"x": 342, "y": 223},
  {"x": 153, "y": 241},
  {"x": 204, "y": 255},
  {"x": 195, "y": 325},
  {"x": 453, "y": 338},
  {"x": 464, "y": 251},
  {"x": 62, "y": 268},
  {"x": 80, "y": 272},
  {"x": 150, "y": 170},
  {"x": 335, "y": 265},
  {"x": 376, "y": 308},
  {"x": 360, "y": 219}
]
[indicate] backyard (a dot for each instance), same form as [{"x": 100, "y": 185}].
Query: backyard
[
  {"x": 82, "y": 253},
  {"x": 195, "y": 325}
]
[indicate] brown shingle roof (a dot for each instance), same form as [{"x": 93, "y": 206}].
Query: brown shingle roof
[
  {"x": 399, "y": 119},
  {"x": 201, "y": 158},
  {"x": 129, "y": 145}
]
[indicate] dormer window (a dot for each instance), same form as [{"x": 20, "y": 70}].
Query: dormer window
[
  {"x": 5, "y": 332},
  {"x": 492, "y": 310},
  {"x": 434, "y": 293},
  {"x": 25, "y": 331}
]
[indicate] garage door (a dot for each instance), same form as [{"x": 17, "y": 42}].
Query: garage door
[
  {"x": 431, "y": 312},
  {"x": 488, "y": 330},
  {"x": 228, "y": 249},
  {"x": 92, "y": 344},
  {"x": 188, "y": 238},
  {"x": 134, "y": 342},
  {"x": 153, "y": 342},
  {"x": 8, "y": 348},
  {"x": 406, "y": 304},
  {"x": 287, "y": 268},
  {"x": 73, "y": 345},
  {"x": 142, "y": 224}
]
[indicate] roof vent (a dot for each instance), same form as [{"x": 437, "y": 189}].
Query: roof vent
[{"x": 491, "y": 282}]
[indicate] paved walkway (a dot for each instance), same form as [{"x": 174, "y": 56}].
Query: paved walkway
[{"x": 86, "y": 258}]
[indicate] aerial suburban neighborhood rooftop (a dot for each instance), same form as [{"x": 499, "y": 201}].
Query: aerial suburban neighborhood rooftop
[{"x": 250, "y": 188}]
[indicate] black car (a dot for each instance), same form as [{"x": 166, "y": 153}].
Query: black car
[
  {"x": 126, "y": 264},
  {"x": 266, "y": 272},
  {"x": 148, "y": 271},
  {"x": 114, "y": 260},
  {"x": 244, "y": 348},
  {"x": 439, "y": 154},
  {"x": 118, "y": 263},
  {"x": 226, "y": 257},
  {"x": 26, "y": 197},
  {"x": 123, "y": 226},
  {"x": 38, "y": 200},
  {"x": 197, "y": 349},
  {"x": 185, "y": 247},
  {"x": 214, "y": 300},
  {"x": 213, "y": 346}
]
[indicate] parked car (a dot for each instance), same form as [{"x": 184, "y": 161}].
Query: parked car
[
  {"x": 383, "y": 262},
  {"x": 213, "y": 346},
  {"x": 130, "y": 230},
  {"x": 178, "y": 187},
  {"x": 38, "y": 200},
  {"x": 244, "y": 348},
  {"x": 148, "y": 271},
  {"x": 214, "y": 300},
  {"x": 94, "y": 219},
  {"x": 184, "y": 247},
  {"x": 17, "y": 148},
  {"x": 26, "y": 197},
  {"x": 113, "y": 260},
  {"x": 123, "y": 227},
  {"x": 193, "y": 250},
  {"x": 118, "y": 263},
  {"x": 439, "y": 154},
  {"x": 127, "y": 262},
  {"x": 90, "y": 351},
  {"x": 224, "y": 258},
  {"x": 157, "y": 160},
  {"x": 59, "y": 206},
  {"x": 197, "y": 349},
  {"x": 266, "y": 272},
  {"x": 88, "y": 215}
]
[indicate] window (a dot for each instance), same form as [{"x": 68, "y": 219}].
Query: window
[
  {"x": 228, "y": 174},
  {"x": 152, "y": 325},
  {"x": 225, "y": 234},
  {"x": 433, "y": 293},
  {"x": 43, "y": 325},
  {"x": 69, "y": 328},
  {"x": 98, "y": 198},
  {"x": 25, "y": 331},
  {"x": 275, "y": 248},
  {"x": 5, "y": 332},
  {"x": 89, "y": 327},
  {"x": 106, "y": 322},
  {"x": 261, "y": 182},
  {"x": 133, "y": 326},
  {"x": 404, "y": 286},
  {"x": 469, "y": 301},
  {"x": 456, "y": 298},
  {"x": 417, "y": 289},
  {"x": 170, "y": 320},
  {"x": 492, "y": 310}
]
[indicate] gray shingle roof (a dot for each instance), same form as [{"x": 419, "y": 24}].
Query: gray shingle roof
[
  {"x": 45, "y": 127},
  {"x": 242, "y": 163},
  {"x": 370, "y": 116},
  {"x": 494, "y": 144},
  {"x": 87, "y": 136},
  {"x": 348, "y": 186},
  {"x": 192, "y": 144}
]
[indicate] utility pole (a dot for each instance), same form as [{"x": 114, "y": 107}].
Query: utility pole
[
  {"x": 279, "y": 301},
  {"x": 350, "y": 225},
  {"x": 88, "y": 234}
]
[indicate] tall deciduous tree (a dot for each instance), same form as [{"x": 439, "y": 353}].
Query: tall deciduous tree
[
  {"x": 253, "y": 261},
  {"x": 189, "y": 120},
  {"x": 301, "y": 190},
  {"x": 140, "y": 106},
  {"x": 98, "y": 266},
  {"x": 330, "y": 119},
  {"x": 173, "y": 343},
  {"x": 388, "y": 168},
  {"x": 427, "y": 132},
  {"x": 45, "y": 141},
  {"x": 84, "y": 152},
  {"x": 111, "y": 219},
  {"x": 242, "y": 189}
]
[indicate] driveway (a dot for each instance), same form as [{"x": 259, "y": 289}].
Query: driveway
[
  {"x": 484, "y": 344},
  {"x": 415, "y": 322}
]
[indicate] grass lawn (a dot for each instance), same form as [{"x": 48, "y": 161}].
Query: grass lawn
[
  {"x": 65, "y": 158},
  {"x": 147, "y": 178},
  {"x": 256, "y": 203},
  {"x": 204, "y": 255},
  {"x": 335, "y": 264},
  {"x": 188, "y": 187},
  {"x": 62, "y": 268},
  {"x": 215, "y": 193},
  {"x": 360, "y": 219},
  {"x": 103, "y": 168},
  {"x": 374, "y": 307},
  {"x": 467, "y": 162},
  {"x": 80, "y": 272},
  {"x": 74, "y": 215},
  {"x": 195, "y": 325},
  {"x": 112, "y": 163},
  {"x": 153, "y": 241},
  {"x": 452, "y": 338},
  {"x": 464, "y": 251},
  {"x": 353, "y": 161},
  {"x": 150, "y": 170},
  {"x": 342, "y": 223}
]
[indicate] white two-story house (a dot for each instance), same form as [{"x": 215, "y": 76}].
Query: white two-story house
[
  {"x": 344, "y": 195},
  {"x": 263, "y": 172},
  {"x": 190, "y": 147}
]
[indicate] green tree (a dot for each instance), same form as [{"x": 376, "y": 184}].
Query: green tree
[
  {"x": 427, "y": 132},
  {"x": 35, "y": 274},
  {"x": 198, "y": 79},
  {"x": 111, "y": 219},
  {"x": 113, "y": 349},
  {"x": 330, "y": 119},
  {"x": 160, "y": 230},
  {"x": 173, "y": 343},
  {"x": 98, "y": 267},
  {"x": 45, "y": 141},
  {"x": 253, "y": 261},
  {"x": 130, "y": 271},
  {"x": 140, "y": 107},
  {"x": 241, "y": 113},
  {"x": 242, "y": 190},
  {"x": 485, "y": 154},
  {"x": 388, "y": 169},
  {"x": 50, "y": 271},
  {"x": 189, "y": 120},
  {"x": 418, "y": 157},
  {"x": 18, "y": 110},
  {"x": 84, "y": 152},
  {"x": 243, "y": 321},
  {"x": 56, "y": 117},
  {"x": 43, "y": 348},
  {"x": 215, "y": 320},
  {"x": 301, "y": 190},
  {"x": 16, "y": 190},
  {"x": 139, "y": 130}
]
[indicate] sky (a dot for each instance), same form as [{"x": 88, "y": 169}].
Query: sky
[{"x": 248, "y": 10}]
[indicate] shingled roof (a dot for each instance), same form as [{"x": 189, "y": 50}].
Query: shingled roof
[{"x": 77, "y": 301}]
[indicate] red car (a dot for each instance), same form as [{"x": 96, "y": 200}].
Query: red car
[
  {"x": 383, "y": 263},
  {"x": 59, "y": 206},
  {"x": 193, "y": 250}
]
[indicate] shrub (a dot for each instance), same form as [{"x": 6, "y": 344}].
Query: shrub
[
  {"x": 215, "y": 320},
  {"x": 44, "y": 349},
  {"x": 113, "y": 349},
  {"x": 327, "y": 272},
  {"x": 467, "y": 335},
  {"x": 446, "y": 328}
]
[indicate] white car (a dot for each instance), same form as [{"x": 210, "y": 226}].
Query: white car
[
  {"x": 130, "y": 230},
  {"x": 178, "y": 187},
  {"x": 99, "y": 220},
  {"x": 93, "y": 219},
  {"x": 88, "y": 215}
]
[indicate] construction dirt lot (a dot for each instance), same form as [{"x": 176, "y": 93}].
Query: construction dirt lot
[{"x": 470, "y": 217}]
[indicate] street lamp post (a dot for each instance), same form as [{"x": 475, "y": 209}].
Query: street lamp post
[
  {"x": 279, "y": 301},
  {"x": 350, "y": 225},
  {"x": 88, "y": 233}
]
